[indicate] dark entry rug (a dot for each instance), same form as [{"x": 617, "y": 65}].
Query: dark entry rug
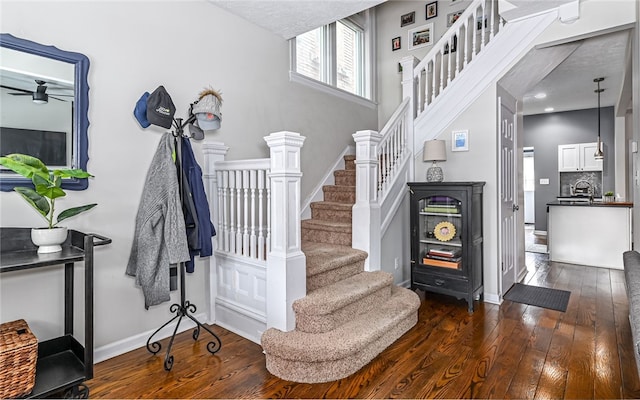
[{"x": 553, "y": 299}]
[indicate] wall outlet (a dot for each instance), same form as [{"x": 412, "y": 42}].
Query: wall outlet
[{"x": 396, "y": 263}]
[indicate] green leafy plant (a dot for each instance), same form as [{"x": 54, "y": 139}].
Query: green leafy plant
[
  {"x": 47, "y": 184},
  {"x": 608, "y": 194}
]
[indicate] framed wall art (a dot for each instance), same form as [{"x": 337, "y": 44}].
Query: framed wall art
[
  {"x": 421, "y": 36},
  {"x": 395, "y": 43},
  {"x": 460, "y": 140},
  {"x": 408, "y": 18},
  {"x": 432, "y": 10},
  {"x": 453, "y": 17}
]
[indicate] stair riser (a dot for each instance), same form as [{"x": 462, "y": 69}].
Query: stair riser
[
  {"x": 331, "y": 370},
  {"x": 342, "y": 179},
  {"x": 332, "y": 276},
  {"x": 340, "y": 196},
  {"x": 331, "y": 215},
  {"x": 350, "y": 162},
  {"x": 327, "y": 322},
  {"x": 322, "y": 236}
]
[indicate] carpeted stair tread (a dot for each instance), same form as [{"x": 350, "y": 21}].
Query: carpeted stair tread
[
  {"x": 350, "y": 338},
  {"x": 335, "y": 304},
  {"x": 340, "y": 294},
  {"x": 332, "y": 205},
  {"x": 323, "y": 225},
  {"x": 323, "y": 257},
  {"x": 332, "y": 370}
]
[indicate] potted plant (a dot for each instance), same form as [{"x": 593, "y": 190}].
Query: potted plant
[
  {"x": 47, "y": 188},
  {"x": 608, "y": 197}
]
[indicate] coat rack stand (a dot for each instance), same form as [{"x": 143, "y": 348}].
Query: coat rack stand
[{"x": 185, "y": 308}]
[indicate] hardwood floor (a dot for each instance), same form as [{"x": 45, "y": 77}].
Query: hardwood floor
[{"x": 509, "y": 351}]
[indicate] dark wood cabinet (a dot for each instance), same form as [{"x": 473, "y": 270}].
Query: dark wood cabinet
[{"x": 446, "y": 239}]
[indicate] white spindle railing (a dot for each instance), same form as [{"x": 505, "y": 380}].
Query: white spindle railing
[
  {"x": 393, "y": 147},
  {"x": 462, "y": 42},
  {"x": 244, "y": 195}
]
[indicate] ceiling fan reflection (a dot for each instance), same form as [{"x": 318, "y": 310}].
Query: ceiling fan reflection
[{"x": 40, "y": 95}]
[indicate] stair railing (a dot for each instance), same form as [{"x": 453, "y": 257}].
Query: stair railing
[
  {"x": 380, "y": 161},
  {"x": 243, "y": 197},
  {"x": 255, "y": 207},
  {"x": 472, "y": 31}
]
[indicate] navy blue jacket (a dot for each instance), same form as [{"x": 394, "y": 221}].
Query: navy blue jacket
[{"x": 200, "y": 229}]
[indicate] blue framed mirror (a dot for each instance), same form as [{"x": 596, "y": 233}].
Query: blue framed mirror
[{"x": 45, "y": 103}]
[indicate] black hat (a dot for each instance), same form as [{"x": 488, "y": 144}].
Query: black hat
[{"x": 160, "y": 108}]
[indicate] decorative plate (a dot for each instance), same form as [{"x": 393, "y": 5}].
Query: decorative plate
[{"x": 444, "y": 231}]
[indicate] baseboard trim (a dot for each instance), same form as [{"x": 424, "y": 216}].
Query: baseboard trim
[
  {"x": 492, "y": 298},
  {"x": 114, "y": 349}
]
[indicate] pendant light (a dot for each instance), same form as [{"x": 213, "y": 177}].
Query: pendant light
[{"x": 598, "y": 154}]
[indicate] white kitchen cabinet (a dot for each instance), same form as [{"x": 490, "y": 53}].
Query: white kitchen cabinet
[{"x": 578, "y": 157}]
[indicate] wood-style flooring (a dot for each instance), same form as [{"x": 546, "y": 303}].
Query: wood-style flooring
[{"x": 509, "y": 351}]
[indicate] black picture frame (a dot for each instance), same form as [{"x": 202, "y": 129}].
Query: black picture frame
[
  {"x": 408, "y": 19},
  {"x": 431, "y": 10},
  {"x": 396, "y": 43}
]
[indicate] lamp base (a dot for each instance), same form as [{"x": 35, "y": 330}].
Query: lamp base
[{"x": 434, "y": 174}]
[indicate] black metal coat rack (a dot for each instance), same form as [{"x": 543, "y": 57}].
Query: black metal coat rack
[{"x": 185, "y": 308}]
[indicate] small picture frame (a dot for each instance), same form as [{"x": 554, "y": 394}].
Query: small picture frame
[
  {"x": 453, "y": 17},
  {"x": 396, "y": 44},
  {"x": 408, "y": 19},
  {"x": 454, "y": 45},
  {"x": 431, "y": 10},
  {"x": 460, "y": 140},
  {"x": 479, "y": 23},
  {"x": 421, "y": 36}
]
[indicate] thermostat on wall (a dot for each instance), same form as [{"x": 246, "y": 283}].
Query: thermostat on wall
[{"x": 544, "y": 181}]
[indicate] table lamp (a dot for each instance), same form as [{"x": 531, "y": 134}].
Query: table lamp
[{"x": 434, "y": 150}]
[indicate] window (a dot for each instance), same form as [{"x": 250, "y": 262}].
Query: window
[{"x": 336, "y": 57}]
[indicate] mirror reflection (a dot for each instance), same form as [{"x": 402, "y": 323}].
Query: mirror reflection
[{"x": 44, "y": 97}]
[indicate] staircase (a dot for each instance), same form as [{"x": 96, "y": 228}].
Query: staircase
[{"x": 349, "y": 315}]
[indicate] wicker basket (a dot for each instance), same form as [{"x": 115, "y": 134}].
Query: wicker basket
[{"x": 18, "y": 355}]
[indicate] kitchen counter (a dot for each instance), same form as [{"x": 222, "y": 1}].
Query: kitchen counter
[{"x": 595, "y": 234}]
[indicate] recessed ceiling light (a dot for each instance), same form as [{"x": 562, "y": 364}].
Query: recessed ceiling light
[
  {"x": 548, "y": 109},
  {"x": 540, "y": 95}
]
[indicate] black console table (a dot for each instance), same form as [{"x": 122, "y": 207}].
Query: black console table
[{"x": 63, "y": 363}]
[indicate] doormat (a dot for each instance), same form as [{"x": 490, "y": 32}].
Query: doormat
[{"x": 553, "y": 299}]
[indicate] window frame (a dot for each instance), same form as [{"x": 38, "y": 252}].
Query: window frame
[{"x": 364, "y": 21}]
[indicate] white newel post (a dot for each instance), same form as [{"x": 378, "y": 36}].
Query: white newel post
[
  {"x": 409, "y": 88},
  {"x": 213, "y": 152},
  {"x": 367, "y": 222},
  {"x": 286, "y": 263}
]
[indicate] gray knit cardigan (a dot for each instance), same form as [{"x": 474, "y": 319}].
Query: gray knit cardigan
[{"x": 160, "y": 235}]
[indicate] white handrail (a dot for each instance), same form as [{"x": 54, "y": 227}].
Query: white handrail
[
  {"x": 467, "y": 37},
  {"x": 393, "y": 148}
]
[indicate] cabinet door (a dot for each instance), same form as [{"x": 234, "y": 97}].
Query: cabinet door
[
  {"x": 440, "y": 232},
  {"x": 587, "y": 159},
  {"x": 568, "y": 158}
]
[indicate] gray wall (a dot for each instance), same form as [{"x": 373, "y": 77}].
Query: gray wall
[{"x": 544, "y": 132}]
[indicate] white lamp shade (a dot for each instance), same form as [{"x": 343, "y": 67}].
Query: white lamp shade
[{"x": 434, "y": 150}]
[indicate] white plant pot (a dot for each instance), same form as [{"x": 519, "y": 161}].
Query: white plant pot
[{"x": 48, "y": 240}]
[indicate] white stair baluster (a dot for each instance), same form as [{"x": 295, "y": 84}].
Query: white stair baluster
[
  {"x": 238, "y": 248},
  {"x": 252, "y": 235},
  {"x": 245, "y": 201}
]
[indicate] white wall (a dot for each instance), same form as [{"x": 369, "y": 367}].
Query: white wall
[{"x": 133, "y": 47}]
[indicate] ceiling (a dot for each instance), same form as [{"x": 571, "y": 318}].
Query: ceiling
[
  {"x": 570, "y": 85},
  {"x": 290, "y": 18}
]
